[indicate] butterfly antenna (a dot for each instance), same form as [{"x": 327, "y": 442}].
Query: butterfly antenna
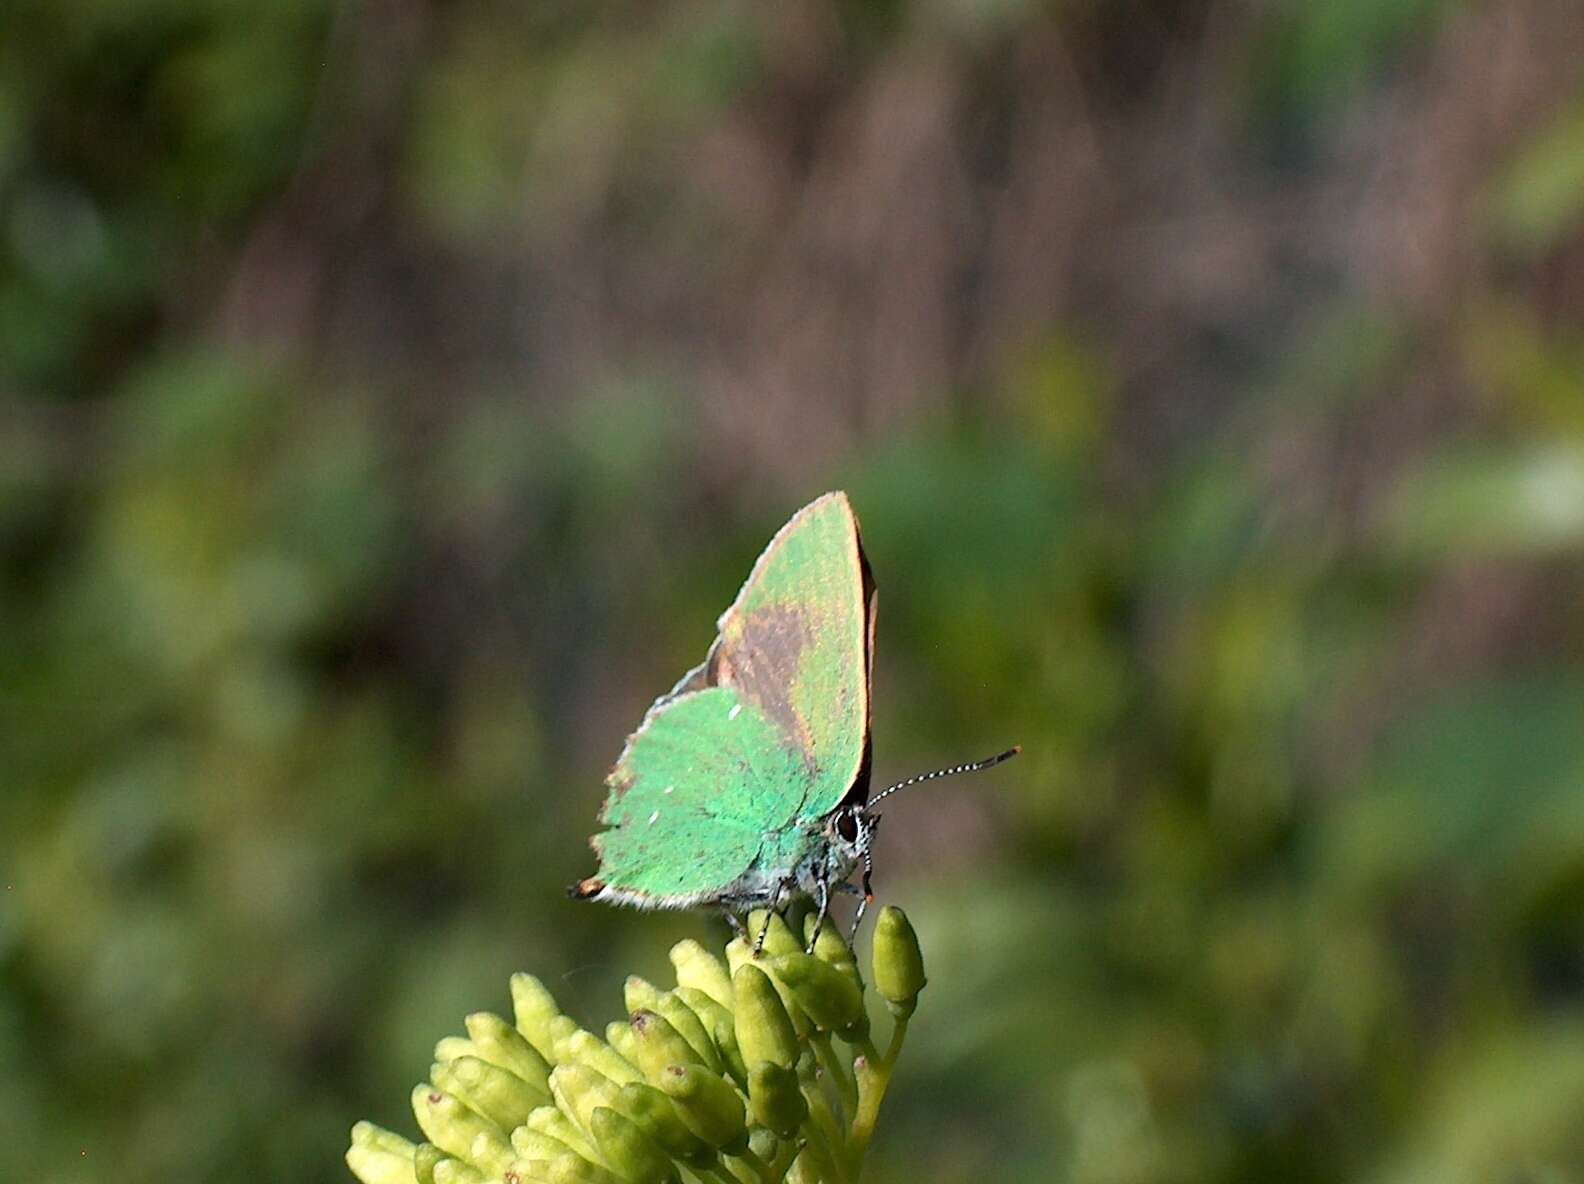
[{"x": 972, "y": 767}]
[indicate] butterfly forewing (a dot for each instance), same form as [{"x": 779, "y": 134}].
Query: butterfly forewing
[{"x": 796, "y": 641}]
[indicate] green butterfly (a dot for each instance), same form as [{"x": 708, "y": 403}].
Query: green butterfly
[{"x": 747, "y": 784}]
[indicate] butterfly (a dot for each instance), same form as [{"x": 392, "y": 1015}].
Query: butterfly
[{"x": 747, "y": 784}]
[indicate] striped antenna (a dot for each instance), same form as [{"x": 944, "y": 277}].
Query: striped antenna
[{"x": 973, "y": 767}]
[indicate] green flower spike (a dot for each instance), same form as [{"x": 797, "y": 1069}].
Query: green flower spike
[{"x": 759, "y": 1074}]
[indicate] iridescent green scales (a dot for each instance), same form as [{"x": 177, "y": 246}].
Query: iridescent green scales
[{"x": 722, "y": 792}]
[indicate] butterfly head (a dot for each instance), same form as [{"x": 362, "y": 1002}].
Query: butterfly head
[{"x": 850, "y": 833}]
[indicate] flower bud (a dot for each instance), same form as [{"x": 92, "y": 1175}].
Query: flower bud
[
  {"x": 763, "y": 1142},
  {"x": 827, "y": 996},
  {"x": 531, "y": 1144},
  {"x": 574, "y": 1169},
  {"x": 898, "y": 962},
  {"x": 658, "y": 1045},
  {"x": 490, "y": 1154},
  {"x": 632, "y": 1154},
  {"x": 501, "y": 1044},
  {"x": 712, "y": 1109},
  {"x": 585, "y": 1048},
  {"x": 579, "y": 1089},
  {"x": 450, "y": 1124},
  {"x": 379, "y": 1156},
  {"x": 689, "y": 1026},
  {"x": 426, "y": 1157},
  {"x": 619, "y": 1035},
  {"x": 701, "y": 970},
  {"x": 778, "y": 938},
  {"x": 549, "y": 1120},
  {"x": 534, "y": 1008},
  {"x": 557, "y": 1031},
  {"x": 764, "y": 1031},
  {"x": 654, "y": 1114},
  {"x": 721, "y": 1028},
  {"x": 449, "y": 1048},
  {"x": 454, "y": 1171},
  {"x": 528, "y": 1171},
  {"x": 500, "y": 1096},
  {"x": 376, "y": 1137},
  {"x": 775, "y": 1099},
  {"x": 641, "y": 995},
  {"x": 830, "y": 948}
]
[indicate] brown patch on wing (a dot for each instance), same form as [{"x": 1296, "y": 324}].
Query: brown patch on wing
[
  {"x": 760, "y": 659},
  {"x": 584, "y": 889}
]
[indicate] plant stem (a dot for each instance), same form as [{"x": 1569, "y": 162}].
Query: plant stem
[
  {"x": 761, "y": 1170},
  {"x": 835, "y": 1071},
  {"x": 873, "y": 1075},
  {"x": 786, "y": 1151},
  {"x": 825, "y": 1143},
  {"x": 720, "y": 1174}
]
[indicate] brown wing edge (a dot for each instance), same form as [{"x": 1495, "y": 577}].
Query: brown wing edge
[{"x": 859, "y": 791}]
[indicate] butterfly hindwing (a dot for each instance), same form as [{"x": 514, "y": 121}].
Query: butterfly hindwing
[{"x": 674, "y": 838}]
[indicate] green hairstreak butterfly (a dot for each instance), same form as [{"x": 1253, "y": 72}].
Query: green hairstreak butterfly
[{"x": 747, "y": 784}]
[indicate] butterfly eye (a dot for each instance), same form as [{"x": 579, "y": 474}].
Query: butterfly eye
[{"x": 847, "y": 826}]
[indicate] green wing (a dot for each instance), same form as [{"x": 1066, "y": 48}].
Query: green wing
[
  {"x": 772, "y": 727},
  {"x": 691, "y": 798},
  {"x": 798, "y": 644}
]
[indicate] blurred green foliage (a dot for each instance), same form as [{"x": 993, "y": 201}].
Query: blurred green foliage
[{"x": 364, "y": 471}]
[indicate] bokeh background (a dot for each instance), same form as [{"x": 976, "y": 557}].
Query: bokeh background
[{"x": 391, "y": 395}]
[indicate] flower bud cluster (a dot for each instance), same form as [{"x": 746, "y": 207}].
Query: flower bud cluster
[{"x": 731, "y": 1075}]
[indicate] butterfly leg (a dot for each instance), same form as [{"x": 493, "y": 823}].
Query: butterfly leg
[
  {"x": 822, "y": 887},
  {"x": 732, "y": 919},
  {"x": 771, "y": 908},
  {"x": 868, "y": 895}
]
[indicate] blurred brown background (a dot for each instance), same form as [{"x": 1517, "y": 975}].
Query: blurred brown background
[{"x": 391, "y": 395}]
